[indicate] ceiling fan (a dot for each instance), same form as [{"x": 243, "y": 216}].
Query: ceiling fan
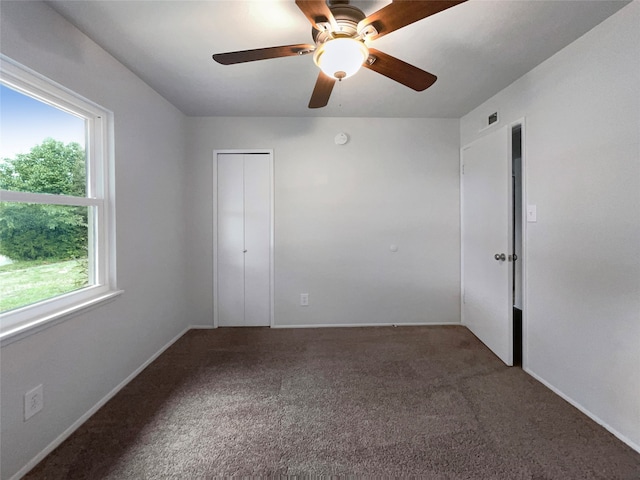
[{"x": 342, "y": 35}]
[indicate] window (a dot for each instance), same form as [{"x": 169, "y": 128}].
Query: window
[{"x": 57, "y": 238}]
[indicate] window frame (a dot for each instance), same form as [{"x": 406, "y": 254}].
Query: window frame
[{"x": 100, "y": 201}]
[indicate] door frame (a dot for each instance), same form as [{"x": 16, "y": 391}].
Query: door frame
[
  {"x": 246, "y": 151},
  {"x": 520, "y": 122},
  {"x": 523, "y": 233}
]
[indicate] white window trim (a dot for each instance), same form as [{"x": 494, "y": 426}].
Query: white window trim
[{"x": 29, "y": 319}]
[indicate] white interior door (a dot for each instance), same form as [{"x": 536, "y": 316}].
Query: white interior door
[
  {"x": 486, "y": 233},
  {"x": 230, "y": 236},
  {"x": 243, "y": 239},
  {"x": 256, "y": 239}
]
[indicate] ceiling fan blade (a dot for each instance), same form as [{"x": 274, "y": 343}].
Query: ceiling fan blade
[
  {"x": 263, "y": 53},
  {"x": 400, "y": 71},
  {"x": 318, "y": 12},
  {"x": 401, "y": 13},
  {"x": 322, "y": 91}
]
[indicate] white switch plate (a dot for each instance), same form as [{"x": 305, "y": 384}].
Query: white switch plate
[
  {"x": 304, "y": 299},
  {"x": 532, "y": 214},
  {"x": 33, "y": 402}
]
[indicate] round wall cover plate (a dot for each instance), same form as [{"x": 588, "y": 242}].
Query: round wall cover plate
[{"x": 341, "y": 138}]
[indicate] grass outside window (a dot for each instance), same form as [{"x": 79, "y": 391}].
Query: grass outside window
[{"x": 25, "y": 283}]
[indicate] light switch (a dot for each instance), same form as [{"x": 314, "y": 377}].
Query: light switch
[
  {"x": 304, "y": 299},
  {"x": 532, "y": 214}
]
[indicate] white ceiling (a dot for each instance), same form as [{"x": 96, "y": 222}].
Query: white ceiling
[{"x": 476, "y": 49}]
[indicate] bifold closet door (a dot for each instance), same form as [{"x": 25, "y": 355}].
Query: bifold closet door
[
  {"x": 243, "y": 239},
  {"x": 257, "y": 221}
]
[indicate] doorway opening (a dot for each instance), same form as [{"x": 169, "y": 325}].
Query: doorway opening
[{"x": 516, "y": 178}]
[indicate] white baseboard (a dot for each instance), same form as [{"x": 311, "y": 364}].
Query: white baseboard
[
  {"x": 75, "y": 425},
  {"x": 589, "y": 414},
  {"x": 352, "y": 325}
]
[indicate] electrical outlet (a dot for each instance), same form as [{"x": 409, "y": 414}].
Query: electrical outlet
[
  {"x": 304, "y": 299},
  {"x": 33, "y": 402}
]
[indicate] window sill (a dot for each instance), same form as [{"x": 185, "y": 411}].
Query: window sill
[{"x": 29, "y": 328}]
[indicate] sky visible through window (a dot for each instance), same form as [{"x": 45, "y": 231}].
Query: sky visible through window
[{"x": 26, "y": 122}]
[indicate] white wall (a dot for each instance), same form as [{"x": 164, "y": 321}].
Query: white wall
[
  {"x": 582, "y": 154},
  {"x": 82, "y": 359},
  {"x": 337, "y": 211}
]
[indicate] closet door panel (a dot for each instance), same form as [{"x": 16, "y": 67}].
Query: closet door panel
[
  {"x": 257, "y": 208},
  {"x": 230, "y": 232}
]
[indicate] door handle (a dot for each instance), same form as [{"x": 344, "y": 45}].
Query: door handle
[
  {"x": 244, "y": 251},
  {"x": 500, "y": 256}
]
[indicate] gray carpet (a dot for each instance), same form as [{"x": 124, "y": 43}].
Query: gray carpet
[{"x": 431, "y": 402}]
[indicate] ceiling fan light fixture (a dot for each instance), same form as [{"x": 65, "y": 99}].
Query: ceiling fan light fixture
[{"x": 341, "y": 57}]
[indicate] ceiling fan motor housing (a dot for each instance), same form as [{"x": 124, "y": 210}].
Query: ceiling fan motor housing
[{"x": 347, "y": 17}]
